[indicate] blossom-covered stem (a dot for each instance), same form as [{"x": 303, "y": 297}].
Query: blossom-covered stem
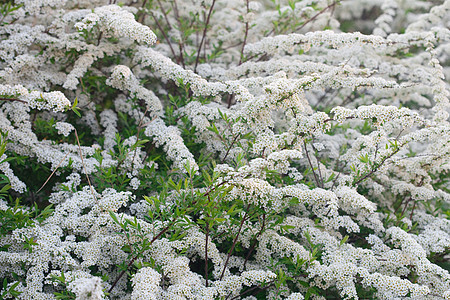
[
  {"x": 310, "y": 164},
  {"x": 204, "y": 35}
]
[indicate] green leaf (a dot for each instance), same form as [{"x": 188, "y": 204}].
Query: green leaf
[{"x": 343, "y": 240}]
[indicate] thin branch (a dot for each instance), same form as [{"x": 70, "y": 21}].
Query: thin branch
[
  {"x": 136, "y": 256},
  {"x": 164, "y": 35},
  {"x": 180, "y": 43},
  {"x": 13, "y": 99},
  {"x": 164, "y": 14},
  {"x": 53, "y": 172},
  {"x": 245, "y": 37},
  {"x": 310, "y": 164},
  {"x": 206, "y": 252},
  {"x": 234, "y": 242},
  {"x": 84, "y": 166},
  {"x": 316, "y": 15},
  {"x": 252, "y": 248},
  {"x": 229, "y": 148},
  {"x": 204, "y": 35},
  {"x": 320, "y": 172},
  {"x": 377, "y": 167},
  {"x": 269, "y": 284},
  {"x": 137, "y": 140}
]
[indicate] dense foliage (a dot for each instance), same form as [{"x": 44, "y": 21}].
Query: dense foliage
[{"x": 224, "y": 149}]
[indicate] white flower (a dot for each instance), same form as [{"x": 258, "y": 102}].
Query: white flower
[
  {"x": 64, "y": 128},
  {"x": 87, "y": 288}
]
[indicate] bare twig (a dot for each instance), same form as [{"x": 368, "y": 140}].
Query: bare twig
[
  {"x": 269, "y": 284},
  {"x": 53, "y": 172},
  {"x": 13, "y": 99},
  {"x": 206, "y": 253},
  {"x": 252, "y": 248},
  {"x": 84, "y": 166},
  {"x": 245, "y": 37},
  {"x": 165, "y": 14},
  {"x": 310, "y": 164},
  {"x": 332, "y": 5},
  {"x": 234, "y": 242},
  {"x": 204, "y": 35},
  {"x": 164, "y": 35},
  {"x": 180, "y": 43},
  {"x": 137, "y": 140},
  {"x": 320, "y": 172}
]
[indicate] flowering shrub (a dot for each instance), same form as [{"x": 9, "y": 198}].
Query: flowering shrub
[{"x": 180, "y": 149}]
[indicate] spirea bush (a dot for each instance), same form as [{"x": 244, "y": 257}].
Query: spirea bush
[{"x": 224, "y": 149}]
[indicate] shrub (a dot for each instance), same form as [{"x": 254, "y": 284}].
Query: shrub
[{"x": 224, "y": 149}]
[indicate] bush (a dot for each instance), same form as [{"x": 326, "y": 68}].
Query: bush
[{"x": 224, "y": 149}]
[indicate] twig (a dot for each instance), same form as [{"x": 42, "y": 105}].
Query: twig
[
  {"x": 252, "y": 248},
  {"x": 53, "y": 172},
  {"x": 318, "y": 169},
  {"x": 164, "y": 35},
  {"x": 13, "y": 99},
  {"x": 136, "y": 256},
  {"x": 269, "y": 284},
  {"x": 234, "y": 243},
  {"x": 137, "y": 140},
  {"x": 180, "y": 43},
  {"x": 229, "y": 148},
  {"x": 164, "y": 14},
  {"x": 310, "y": 164},
  {"x": 245, "y": 37},
  {"x": 204, "y": 35},
  {"x": 377, "y": 167},
  {"x": 84, "y": 166},
  {"x": 316, "y": 15},
  {"x": 206, "y": 252}
]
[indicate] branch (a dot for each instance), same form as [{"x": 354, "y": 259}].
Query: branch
[
  {"x": 13, "y": 99},
  {"x": 245, "y": 38},
  {"x": 332, "y": 5},
  {"x": 310, "y": 164},
  {"x": 234, "y": 242},
  {"x": 136, "y": 256},
  {"x": 377, "y": 167},
  {"x": 204, "y": 35},
  {"x": 164, "y": 35}
]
